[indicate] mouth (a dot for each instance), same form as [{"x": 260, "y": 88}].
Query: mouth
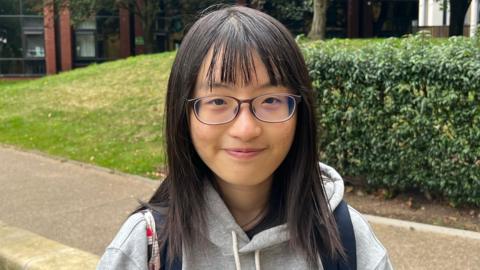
[{"x": 244, "y": 153}]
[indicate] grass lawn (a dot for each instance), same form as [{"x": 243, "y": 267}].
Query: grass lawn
[{"x": 108, "y": 114}]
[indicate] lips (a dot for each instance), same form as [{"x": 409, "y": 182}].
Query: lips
[{"x": 244, "y": 153}]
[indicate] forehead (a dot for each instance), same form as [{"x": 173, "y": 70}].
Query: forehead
[{"x": 231, "y": 67}]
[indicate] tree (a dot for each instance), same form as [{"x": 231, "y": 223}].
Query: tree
[
  {"x": 146, "y": 11},
  {"x": 296, "y": 15},
  {"x": 81, "y": 10},
  {"x": 458, "y": 10},
  {"x": 319, "y": 22}
]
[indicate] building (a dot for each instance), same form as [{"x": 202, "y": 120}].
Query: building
[
  {"x": 387, "y": 18},
  {"x": 36, "y": 40}
]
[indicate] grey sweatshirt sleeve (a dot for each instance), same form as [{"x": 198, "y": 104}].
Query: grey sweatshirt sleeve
[
  {"x": 128, "y": 249},
  {"x": 371, "y": 254}
]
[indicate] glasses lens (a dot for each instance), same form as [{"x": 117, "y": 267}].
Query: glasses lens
[
  {"x": 215, "y": 109},
  {"x": 274, "y": 108}
]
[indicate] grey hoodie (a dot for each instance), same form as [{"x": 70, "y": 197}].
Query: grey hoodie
[{"x": 226, "y": 246}]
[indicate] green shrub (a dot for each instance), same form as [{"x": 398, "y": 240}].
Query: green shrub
[{"x": 402, "y": 113}]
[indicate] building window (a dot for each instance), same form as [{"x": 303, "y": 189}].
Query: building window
[
  {"x": 11, "y": 29},
  {"x": 108, "y": 37},
  {"x": 33, "y": 22},
  {"x": 85, "y": 40},
  {"x": 35, "y": 46},
  {"x": 97, "y": 40},
  {"x": 22, "y": 42},
  {"x": 10, "y": 7},
  {"x": 85, "y": 45}
]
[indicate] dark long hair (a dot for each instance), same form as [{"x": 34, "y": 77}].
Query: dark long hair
[{"x": 233, "y": 34}]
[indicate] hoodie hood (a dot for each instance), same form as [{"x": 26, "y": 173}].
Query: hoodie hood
[
  {"x": 334, "y": 185},
  {"x": 229, "y": 239}
]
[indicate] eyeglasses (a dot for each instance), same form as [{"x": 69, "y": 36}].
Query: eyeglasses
[{"x": 271, "y": 108}]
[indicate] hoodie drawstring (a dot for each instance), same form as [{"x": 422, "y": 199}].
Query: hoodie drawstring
[
  {"x": 237, "y": 257},
  {"x": 257, "y": 259},
  {"x": 235, "y": 251}
]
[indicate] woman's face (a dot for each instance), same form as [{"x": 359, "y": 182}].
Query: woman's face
[{"x": 245, "y": 151}]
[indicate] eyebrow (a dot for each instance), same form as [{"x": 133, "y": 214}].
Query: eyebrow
[{"x": 231, "y": 86}]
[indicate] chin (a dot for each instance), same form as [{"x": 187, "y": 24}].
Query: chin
[{"x": 242, "y": 179}]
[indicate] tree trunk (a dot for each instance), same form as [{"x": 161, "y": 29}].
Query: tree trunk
[
  {"x": 319, "y": 19},
  {"x": 148, "y": 38},
  {"x": 147, "y": 23},
  {"x": 458, "y": 9},
  {"x": 147, "y": 10}
]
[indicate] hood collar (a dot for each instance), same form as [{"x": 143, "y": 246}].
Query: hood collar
[{"x": 220, "y": 222}]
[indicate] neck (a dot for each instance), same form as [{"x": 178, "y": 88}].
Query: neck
[{"x": 246, "y": 203}]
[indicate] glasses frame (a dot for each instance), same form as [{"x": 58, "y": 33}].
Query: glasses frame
[{"x": 192, "y": 102}]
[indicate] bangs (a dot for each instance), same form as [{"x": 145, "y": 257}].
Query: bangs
[{"x": 236, "y": 43}]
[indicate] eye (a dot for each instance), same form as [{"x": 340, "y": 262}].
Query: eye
[
  {"x": 217, "y": 101},
  {"x": 272, "y": 100}
]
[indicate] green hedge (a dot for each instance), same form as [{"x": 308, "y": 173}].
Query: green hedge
[{"x": 402, "y": 113}]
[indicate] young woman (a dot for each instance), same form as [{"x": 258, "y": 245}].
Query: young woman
[{"x": 245, "y": 189}]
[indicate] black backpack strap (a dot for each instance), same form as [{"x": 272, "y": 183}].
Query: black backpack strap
[{"x": 345, "y": 228}]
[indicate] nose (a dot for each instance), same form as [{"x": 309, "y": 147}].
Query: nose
[{"x": 245, "y": 126}]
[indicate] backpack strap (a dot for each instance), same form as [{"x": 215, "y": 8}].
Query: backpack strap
[
  {"x": 157, "y": 258},
  {"x": 153, "y": 250},
  {"x": 347, "y": 236},
  {"x": 345, "y": 228}
]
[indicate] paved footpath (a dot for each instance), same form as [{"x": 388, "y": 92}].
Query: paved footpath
[
  {"x": 82, "y": 206},
  {"x": 77, "y": 205}
]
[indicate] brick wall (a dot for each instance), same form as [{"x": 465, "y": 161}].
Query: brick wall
[
  {"x": 66, "y": 55},
  {"x": 49, "y": 33}
]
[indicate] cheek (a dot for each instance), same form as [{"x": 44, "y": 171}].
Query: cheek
[
  {"x": 290, "y": 134},
  {"x": 204, "y": 137},
  {"x": 197, "y": 132},
  {"x": 289, "y": 131},
  {"x": 284, "y": 136}
]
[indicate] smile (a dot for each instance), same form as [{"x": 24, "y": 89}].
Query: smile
[{"x": 244, "y": 153}]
